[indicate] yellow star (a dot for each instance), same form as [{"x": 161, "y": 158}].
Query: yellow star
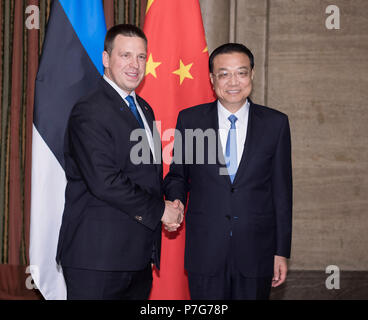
[
  {"x": 183, "y": 71},
  {"x": 151, "y": 66},
  {"x": 205, "y": 49},
  {"x": 149, "y": 4}
]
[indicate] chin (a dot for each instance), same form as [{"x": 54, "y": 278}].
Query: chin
[
  {"x": 134, "y": 83},
  {"x": 235, "y": 101}
]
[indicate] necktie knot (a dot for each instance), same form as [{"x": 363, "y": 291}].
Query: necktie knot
[
  {"x": 232, "y": 119},
  {"x": 131, "y": 102}
]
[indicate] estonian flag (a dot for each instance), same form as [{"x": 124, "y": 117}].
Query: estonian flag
[{"x": 70, "y": 66}]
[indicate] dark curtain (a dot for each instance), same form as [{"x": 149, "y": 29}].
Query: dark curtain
[{"x": 20, "y": 49}]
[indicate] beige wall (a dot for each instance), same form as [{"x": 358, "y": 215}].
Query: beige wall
[{"x": 319, "y": 77}]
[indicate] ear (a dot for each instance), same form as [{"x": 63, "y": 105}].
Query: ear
[
  {"x": 105, "y": 59},
  {"x": 252, "y": 75}
]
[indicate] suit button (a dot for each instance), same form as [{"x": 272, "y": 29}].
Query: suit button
[
  {"x": 233, "y": 190},
  {"x": 139, "y": 218},
  {"x": 228, "y": 217}
]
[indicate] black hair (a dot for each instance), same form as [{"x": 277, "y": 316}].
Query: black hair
[{"x": 230, "y": 48}]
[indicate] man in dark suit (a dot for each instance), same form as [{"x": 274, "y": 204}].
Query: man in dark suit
[
  {"x": 238, "y": 220},
  {"x": 111, "y": 227}
]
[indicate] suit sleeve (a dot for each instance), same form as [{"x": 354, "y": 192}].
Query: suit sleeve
[
  {"x": 176, "y": 185},
  {"x": 92, "y": 147},
  {"x": 282, "y": 191}
]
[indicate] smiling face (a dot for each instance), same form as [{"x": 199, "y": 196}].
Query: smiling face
[
  {"x": 232, "y": 79},
  {"x": 126, "y": 64}
]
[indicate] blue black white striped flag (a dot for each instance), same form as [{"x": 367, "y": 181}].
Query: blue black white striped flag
[{"x": 70, "y": 66}]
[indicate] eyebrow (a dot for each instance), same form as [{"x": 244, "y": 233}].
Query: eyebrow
[
  {"x": 130, "y": 52},
  {"x": 225, "y": 69}
]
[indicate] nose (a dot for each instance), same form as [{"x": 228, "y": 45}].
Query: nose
[
  {"x": 134, "y": 62},
  {"x": 234, "y": 79}
]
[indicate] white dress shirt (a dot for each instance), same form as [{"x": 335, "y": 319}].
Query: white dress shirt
[
  {"x": 241, "y": 127},
  {"x": 123, "y": 94}
]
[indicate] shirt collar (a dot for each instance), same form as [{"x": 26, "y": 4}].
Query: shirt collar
[
  {"x": 121, "y": 92},
  {"x": 240, "y": 114}
]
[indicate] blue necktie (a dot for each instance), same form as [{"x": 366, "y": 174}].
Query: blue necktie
[
  {"x": 134, "y": 109},
  {"x": 231, "y": 149}
]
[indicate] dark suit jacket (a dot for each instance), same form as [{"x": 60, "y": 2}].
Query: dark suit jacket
[
  {"x": 113, "y": 207},
  {"x": 256, "y": 208}
]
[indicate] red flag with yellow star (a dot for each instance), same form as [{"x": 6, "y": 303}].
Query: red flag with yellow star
[{"x": 177, "y": 77}]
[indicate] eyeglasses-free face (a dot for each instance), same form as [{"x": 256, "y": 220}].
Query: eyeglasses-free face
[{"x": 126, "y": 65}]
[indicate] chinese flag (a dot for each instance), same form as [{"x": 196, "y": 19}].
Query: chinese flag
[{"x": 177, "y": 77}]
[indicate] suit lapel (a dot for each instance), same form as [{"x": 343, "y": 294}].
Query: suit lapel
[
  {"x": 156, "y": 141},
  {"x": 119, "y": 104},
  {"x": 253, "y": 133},
  {"x": 211, "y": 114},
  {"x": 146, "y": 112},
  {"x": 124, "y": 111}
]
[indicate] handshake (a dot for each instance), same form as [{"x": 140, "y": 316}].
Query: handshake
[{"x": 173, "y": 215}]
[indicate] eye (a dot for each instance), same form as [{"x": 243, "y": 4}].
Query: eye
[
  {"x": 223, "y": 75},
  {"x": 142, "y": 57},
  {"x": 242, "y": 74}
]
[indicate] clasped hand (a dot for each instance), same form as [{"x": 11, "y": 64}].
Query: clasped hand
[{"x": 173, "y": 215}]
